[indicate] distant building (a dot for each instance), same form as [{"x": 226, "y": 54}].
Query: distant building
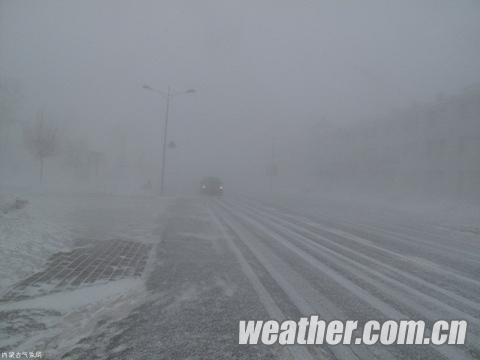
[{"x": 427, "y": 149}]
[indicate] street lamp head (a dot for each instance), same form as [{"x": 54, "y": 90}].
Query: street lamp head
[
  {"x": 146, "y": 87},
  {"x": 191, "y": 91}
]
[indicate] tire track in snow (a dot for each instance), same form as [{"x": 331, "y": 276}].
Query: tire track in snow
[
  {"x": 424, "y": 310},
  {"x": 431, "y": 245},
  {"x": 301, "y": 228},
  {"x": 328, "y": 311},
  {"x": 385, "y": 308},
  {"x": 298, "y": 352}
]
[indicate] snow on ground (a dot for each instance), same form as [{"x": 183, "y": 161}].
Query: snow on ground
[
  {"x": 53, "y": 323},
  {"x": 49, "y": 223},
  {"x": 52, "y": 223},
  {"x": 26, "y": 241},
  {"x": 357, "y": 206},
  {"x": 69, "y": 300}
]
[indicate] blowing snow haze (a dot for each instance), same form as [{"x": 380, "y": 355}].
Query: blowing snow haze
[
  {"x": 222, "y": 179},
  {"x": 266, "y": 71}
]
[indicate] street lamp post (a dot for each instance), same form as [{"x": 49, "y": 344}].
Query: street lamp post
[
  {"x": 164, "y": 144},
  {"x": 167, "y": 96}
]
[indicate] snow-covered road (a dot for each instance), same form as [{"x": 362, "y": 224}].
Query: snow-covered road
[
  {"x": 355, "y": 271},
  {"x": 220, "y": 261},
  {"x": 215, "y": 262}
]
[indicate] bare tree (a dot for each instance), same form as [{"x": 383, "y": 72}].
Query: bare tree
[{"x": 41, "y": 140}]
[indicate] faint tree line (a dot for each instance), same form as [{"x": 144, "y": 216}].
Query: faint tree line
[{"x": 63, "y": 154}]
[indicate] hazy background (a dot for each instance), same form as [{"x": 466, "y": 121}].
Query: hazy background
[{"x": 281, "y": 72}]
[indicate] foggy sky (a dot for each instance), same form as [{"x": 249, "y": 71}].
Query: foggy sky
[{"x": 261, "y": 69}]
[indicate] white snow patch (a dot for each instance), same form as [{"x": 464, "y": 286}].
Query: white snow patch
[
  {"x": 80, "y": 313},
  {"x": 69, "y": 300},
  {"x": 26, "y": 242}
]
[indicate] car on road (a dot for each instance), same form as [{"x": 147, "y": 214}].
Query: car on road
[{"x": 211, "y": 186}]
